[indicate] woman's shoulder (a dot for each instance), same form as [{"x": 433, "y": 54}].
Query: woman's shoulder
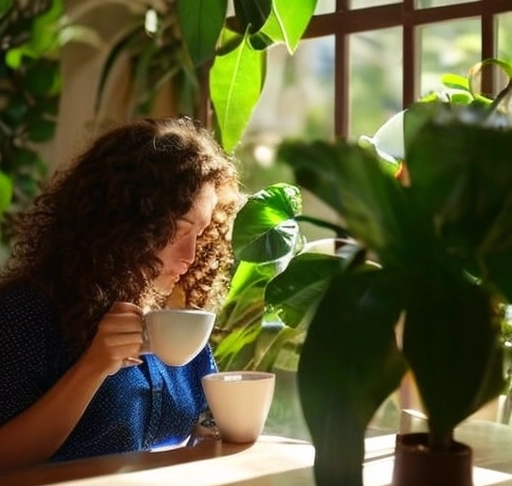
[{"x": 22, "y": 301}]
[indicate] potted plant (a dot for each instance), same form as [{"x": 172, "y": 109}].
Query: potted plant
[{"x": 421, "y": 286}]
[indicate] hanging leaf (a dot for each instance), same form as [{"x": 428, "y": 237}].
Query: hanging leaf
[
  {"x": 236, "y": 81},
  {"x": 201, "y": 22},
  {"x": 286, "y": 23}
]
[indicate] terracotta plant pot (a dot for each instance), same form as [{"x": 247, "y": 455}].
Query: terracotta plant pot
[{"x": 415, "y": 465}]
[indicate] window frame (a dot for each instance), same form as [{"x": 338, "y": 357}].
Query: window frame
[{"x": 345, "y": 21}]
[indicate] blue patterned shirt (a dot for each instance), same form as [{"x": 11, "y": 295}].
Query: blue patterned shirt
[{"x": 137, "y": 408}]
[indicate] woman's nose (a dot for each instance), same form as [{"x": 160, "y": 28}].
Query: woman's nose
[{"x": 187, "y": 251}]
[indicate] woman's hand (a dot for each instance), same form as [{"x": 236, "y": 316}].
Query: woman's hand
[{"x": 118, "y": 339}]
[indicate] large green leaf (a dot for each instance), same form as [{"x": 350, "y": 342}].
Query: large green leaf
[
  {"x": 296, "y": 291},
  {"x": 312, "y": 163},
  {"x": 463, "y": 180},
  {"x": 348, "y": 365},
  {"x": 265, "y": 228},
  {"x": 236, "y": 81},
  {"x": 377, "y": 211},
  {"x": 286, "y": 23},
  {"x": 451, "y": 340},
  {"x": 201, "y": 22}
]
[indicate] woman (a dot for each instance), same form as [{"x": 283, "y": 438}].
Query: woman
[{"x": 146, "y": 208}]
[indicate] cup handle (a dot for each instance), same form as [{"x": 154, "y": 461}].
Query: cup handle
[{"x": 145, "y": 347}]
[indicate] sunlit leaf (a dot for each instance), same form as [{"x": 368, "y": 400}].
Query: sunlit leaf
[
  {"x": 454, "y": 81},
  {"x": 82, "y": 34},
  {"x": 236, "y": 81},
  {"x": 288, "y": 21},
  {"x": 6, "y": 191}
]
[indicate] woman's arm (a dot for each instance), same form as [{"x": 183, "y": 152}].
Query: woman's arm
[{"x": 37, "y": 433}]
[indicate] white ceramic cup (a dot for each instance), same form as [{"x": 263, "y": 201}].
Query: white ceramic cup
[
  {"x": 239, "y": 402},
  {"x": 177, "y": 336}
]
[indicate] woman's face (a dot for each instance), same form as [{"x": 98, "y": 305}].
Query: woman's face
[{"x": 180, "y": 251}]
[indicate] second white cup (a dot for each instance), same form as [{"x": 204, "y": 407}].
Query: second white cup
[{"x": 239, "y": 402}]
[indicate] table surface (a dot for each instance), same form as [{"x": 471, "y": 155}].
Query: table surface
[{"x": 272, "y": 460}]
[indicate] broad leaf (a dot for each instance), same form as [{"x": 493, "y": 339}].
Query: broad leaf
[
  {"x": 312, "y": 163},
  {"x": 295, "y": 292},
  {"x": 286, "y": 23},
  {"x": 451, "y": 341},
  {"x": 376, "y": 209},
  {"x": 348, "y": 365},
  {"x": 265, "y": 228},
  {"x": 464, "y": 182},
  {"x": 236, "y": 81},
  {"x": 201, "y": 22}
]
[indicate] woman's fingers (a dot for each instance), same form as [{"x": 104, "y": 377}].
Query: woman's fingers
[
  {"x": 125, "y": 307},
  {"x": 119, "y": 337}
]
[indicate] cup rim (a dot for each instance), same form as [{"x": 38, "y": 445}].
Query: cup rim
[
  {"x": 182, "y": 311},
  {"x": 263, "y": 375}
]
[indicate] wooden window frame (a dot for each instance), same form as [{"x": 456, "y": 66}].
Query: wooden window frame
[{"x": 345, "y": 21}]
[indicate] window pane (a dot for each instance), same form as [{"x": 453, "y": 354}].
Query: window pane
[
  {"x": 355, "y": 4},
  {"x": 298, "y": 92},
  {"x": 375, "y": 79},
  {"x": 325, "y": 6},
  {"x": 505, "y": 36},
  {"x": 448, "y": 47},
  {"x": 296, "y": 102},
  {"x": 438, "y": 3}
]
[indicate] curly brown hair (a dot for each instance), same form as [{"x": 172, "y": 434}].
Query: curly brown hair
[{"x": 92, "y": 236}]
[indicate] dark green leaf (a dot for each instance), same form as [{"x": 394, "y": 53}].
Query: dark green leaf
[
  {"x": 348, "y": 365},
  {"x": 201, "y": 22},
  {"x": 451, "y": 341},
  {"x": 5, "y": 5},
  {"x": 42, "y": 77},
  {"x": 41, "y": 130},
  {"x": 252, "y": 14},
  {"x": 313, "y": 163},
  {"x": 296, "y": 291},
  {"x": 460, "y": 173}
]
